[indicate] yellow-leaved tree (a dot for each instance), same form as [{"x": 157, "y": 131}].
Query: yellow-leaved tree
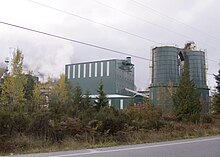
[{"x": 13, "y": 86}]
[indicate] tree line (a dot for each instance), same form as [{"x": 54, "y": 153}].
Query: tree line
[{"x": 53, "y": 111}]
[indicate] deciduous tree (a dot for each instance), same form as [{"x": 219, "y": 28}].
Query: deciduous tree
[
  {"x": 13, "y": 86},
  {"x": 38, "y": 100},
  {"x": 58, "y": 97}
]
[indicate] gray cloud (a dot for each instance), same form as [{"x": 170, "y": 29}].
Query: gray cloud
[{"x": 48, "y": 55}]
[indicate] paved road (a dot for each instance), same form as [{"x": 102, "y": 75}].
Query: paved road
[{"x": 199, "y": 147}]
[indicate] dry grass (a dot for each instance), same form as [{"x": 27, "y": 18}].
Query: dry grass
[{"x": 171, "y": 131}]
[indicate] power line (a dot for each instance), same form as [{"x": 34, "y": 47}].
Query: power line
[
  {"x": 93, "y": 21},
  {"x": 214, "y": 61},
  {"x": 141, "y": 19},
  {"x": 114, "y": 28},
  {"x": 173, "y": 19},
  {"x": 148, "y": 22},
  {"x": 210, "y": 74},
  {"x": 178, "y": 21},
  {"x": 144, "y": 20},
  {"x": 73, "y": 40},
  {"x": 80, "y": 42}
]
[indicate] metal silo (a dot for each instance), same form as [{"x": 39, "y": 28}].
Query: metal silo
[
  {"x": 197, "y": 69},
  {"x": 165, "y": 71},
  {"x": 167, "y": 65}
]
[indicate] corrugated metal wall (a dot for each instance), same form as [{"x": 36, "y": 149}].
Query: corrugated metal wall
[{"x": 166, "y": 72}]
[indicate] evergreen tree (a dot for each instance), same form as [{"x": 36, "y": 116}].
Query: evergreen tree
[
  {"x": 102, "y": 100},
  {"x": 78, "y": 99},
  {"x": 87, "y": 101},
  {"x": 216, "y": 97},
  {"x": 29, "y": 87},
  {"x": 87, "y": 112},
  {"x": 186, "y": 101},
  {"x": 217, "y": 78}
]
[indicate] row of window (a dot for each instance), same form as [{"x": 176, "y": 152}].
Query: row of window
[
  {"x": 121, "y": 103},
  {"x": 88, "y": 70},
  {"x": 110, "y": 103}
]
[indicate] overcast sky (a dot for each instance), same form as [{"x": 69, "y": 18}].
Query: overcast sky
[{"x": 147, "y": 23}]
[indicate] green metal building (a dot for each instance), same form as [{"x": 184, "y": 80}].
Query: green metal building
[
  {"x": 115, "y": 75},
  {"x": 167, "y": 62}
]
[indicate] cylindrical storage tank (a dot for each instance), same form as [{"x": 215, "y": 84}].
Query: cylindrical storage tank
[
  {"x": 165, "y": 72},
  {"x": 197, "y": 67},
  {"x": 165, "y": 66}
]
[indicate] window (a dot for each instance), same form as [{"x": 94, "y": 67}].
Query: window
[
  {"x": 84, "y": 71},
  {"x": 110, "y": 102},
  {"x": 107, "y": 68},
  {"x": 121, "y": 104},
  {"x": 101, "y": 69},
  {"x": 90, "y": 69},
  {"x": 79, "y": 71},
  {"x": 74, "y": 71},
  {"x": 95, "y": 69}
]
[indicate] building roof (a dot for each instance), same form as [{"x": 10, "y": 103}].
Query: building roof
[
  {"x": 110, "y": 96},
  {"x": 96, "y": 61}
]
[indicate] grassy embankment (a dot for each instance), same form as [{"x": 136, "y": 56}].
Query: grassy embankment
[{"x": 172, "y": 130}]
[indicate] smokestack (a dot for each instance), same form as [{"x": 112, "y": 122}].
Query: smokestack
[{"x": 128, "y": 59}]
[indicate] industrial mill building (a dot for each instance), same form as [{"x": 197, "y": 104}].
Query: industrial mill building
[{"x": 116, "y": 75}]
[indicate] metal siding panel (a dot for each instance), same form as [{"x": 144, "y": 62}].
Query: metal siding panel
[
  {"x": 68, "y": 72},
  {"x": 98, "y": 69},
  {"x": 90, "y": 69},
  {"x": 91, "y": 83},
  {"x": 124, "y": 79}
]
